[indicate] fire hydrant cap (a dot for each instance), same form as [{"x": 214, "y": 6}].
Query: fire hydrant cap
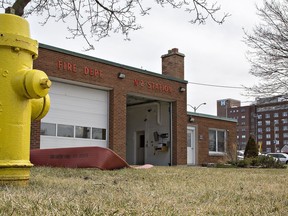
[{"x": 37, "y": 84}]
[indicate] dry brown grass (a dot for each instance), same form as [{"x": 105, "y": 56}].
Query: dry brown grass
[{"x": 157, "y": 191}]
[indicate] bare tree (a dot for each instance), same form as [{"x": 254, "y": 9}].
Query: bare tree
[
  {"x": 98, "y": 18},
  {"x": 268, "y": 50}
]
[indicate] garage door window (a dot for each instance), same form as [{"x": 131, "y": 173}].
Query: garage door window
[
  {"x": 65, "y": 130},
  {"x": 99, "y": 133},
  {"x": 48, "y": 129},
  {"x": 82, "y": 132}
]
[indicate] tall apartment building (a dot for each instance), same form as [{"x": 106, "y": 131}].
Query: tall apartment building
[{"x": 266, "y": 120}]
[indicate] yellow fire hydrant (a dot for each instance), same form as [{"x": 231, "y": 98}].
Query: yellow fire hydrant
[{"x": 23, "y": 97}]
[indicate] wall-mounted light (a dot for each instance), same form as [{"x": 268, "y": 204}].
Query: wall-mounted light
[
  {"x": 121, "y": 75},
  {"x": 191, "y": 119},
  {"x": 182, "y": 89}
]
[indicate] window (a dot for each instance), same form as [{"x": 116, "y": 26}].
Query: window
[
  {"x": 216, "y": 140},
  {"x": 267, "y": 115},
  {"x": 259, "y": 130},
  {"x": 65, "y": 130},
  {"x": 284, "y": 114},
  {"x": 285, "y": 121},
  {"x": 48, "y": 129},
  {"x": 259, "y": 123},
  {"x": 243, "y": 116},
  {"x": 243, "y": 136},
  {"x": 276, "y": 128},
  {"x": 259, "y": 136},
  {"x": 276, "y": 121},
  {"x": 99, "y": 133},
  {"x": 285, "y": 135},
  {"x": 82, "y": 132},
  {"x": 285, "y": 142},
  {"x": 267, "y": 122},
  {"x": 268, "y": 129},
  {"x": 268, "y": 142},
  {"x": 285, "y": 128},
  {"x": 276, "y": 135},
  {"x": 268, "y": 150},
  {"x": 276, "y": 115},
  {"x": 259, "y": 116},
  {"x": 268, "y": 136}
]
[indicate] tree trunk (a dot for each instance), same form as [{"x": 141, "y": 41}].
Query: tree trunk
[{"x": 18, "y": 7}]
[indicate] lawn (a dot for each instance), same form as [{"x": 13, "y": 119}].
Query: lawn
[{"x": 177, "y": 190}]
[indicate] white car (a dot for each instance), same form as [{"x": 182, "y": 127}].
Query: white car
[
  {"x": 281, "y": 157},
  {"x": 240, "y": 154}
]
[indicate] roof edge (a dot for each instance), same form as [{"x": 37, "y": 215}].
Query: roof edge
[
  {"x": 211, "y": 117},
  {"x": 138, "y": 70}
]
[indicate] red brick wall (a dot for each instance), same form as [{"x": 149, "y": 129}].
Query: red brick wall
[
  {"x": 35, "y": 135},
  {"x": 173, "y": 64},
  {"x": 203, "y": 124},
  {"x": 136, "y": 82}
]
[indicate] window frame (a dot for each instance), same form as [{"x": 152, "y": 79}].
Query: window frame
[{"x": 217, "y": 152}]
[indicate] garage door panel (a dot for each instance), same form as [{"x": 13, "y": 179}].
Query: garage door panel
[
  {"x": 92, "y": 106},
  {"x": 54, "y": 142},
  {"x": 76, "y": 106},
  {"x": 87, "y": 118}
]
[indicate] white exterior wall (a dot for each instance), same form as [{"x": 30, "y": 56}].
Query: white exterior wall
[{"x": 157, "y": 120}]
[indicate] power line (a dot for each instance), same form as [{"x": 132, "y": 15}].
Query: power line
[{"x": 217, "y": 86}]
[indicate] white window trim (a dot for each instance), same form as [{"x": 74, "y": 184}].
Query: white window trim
[{"x": 215, "y": 153}]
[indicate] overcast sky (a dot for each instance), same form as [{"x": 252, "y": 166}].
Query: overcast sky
[{"x": 214, "y": 54}]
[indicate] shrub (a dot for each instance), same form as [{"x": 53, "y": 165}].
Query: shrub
[
  {"x": 251, "y": 149},
  {"x": 260, "y": 161}
]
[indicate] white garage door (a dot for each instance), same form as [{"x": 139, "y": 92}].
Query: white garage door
[{"x": 78, "y": 117}]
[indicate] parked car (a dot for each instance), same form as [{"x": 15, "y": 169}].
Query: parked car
[{"x": 281, "y": 157}]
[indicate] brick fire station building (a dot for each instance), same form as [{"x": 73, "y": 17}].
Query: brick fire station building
[{"x": 139, "y": 114}]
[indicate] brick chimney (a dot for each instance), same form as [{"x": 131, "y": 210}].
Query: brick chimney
[{"x": 173, "y": 64}]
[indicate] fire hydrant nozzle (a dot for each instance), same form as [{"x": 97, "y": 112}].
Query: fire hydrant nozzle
[{"x": 23, "y": 96}]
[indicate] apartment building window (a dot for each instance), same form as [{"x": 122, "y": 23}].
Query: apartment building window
[
  {"x": 276, "y": 135},
  {"x": 243, "y": 116},
  {"x": 268, "y": 142},
  {"x": 243, "y": 136},
  {"x": 268, "y": 129},
  {"x": 276, "y": 115},
  {"x": 216, "y": 141},
  {"x": 259, "y": 136},
  {"x": 259, "y": 123},
  {"x": 276, "y": 128},
  {"x": 267, "y": 122},
  {"x": 268, "y": 136},
  {"x": 259, "y": 116},
  {"x": 285, "y": 121},
  {"x": 268, "y": 150},
  {"x": 285, "y": 135},
  {"x": 243, "y": 129},
  {"x": 267, "y": 115},
  {"x": 285, "y": 142},
  {"x": 276, "y": 121},
  {"x": 285, "y": 128},
  {"x": 284, "y": 114},
  {"x": 259, "y": 130}
]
